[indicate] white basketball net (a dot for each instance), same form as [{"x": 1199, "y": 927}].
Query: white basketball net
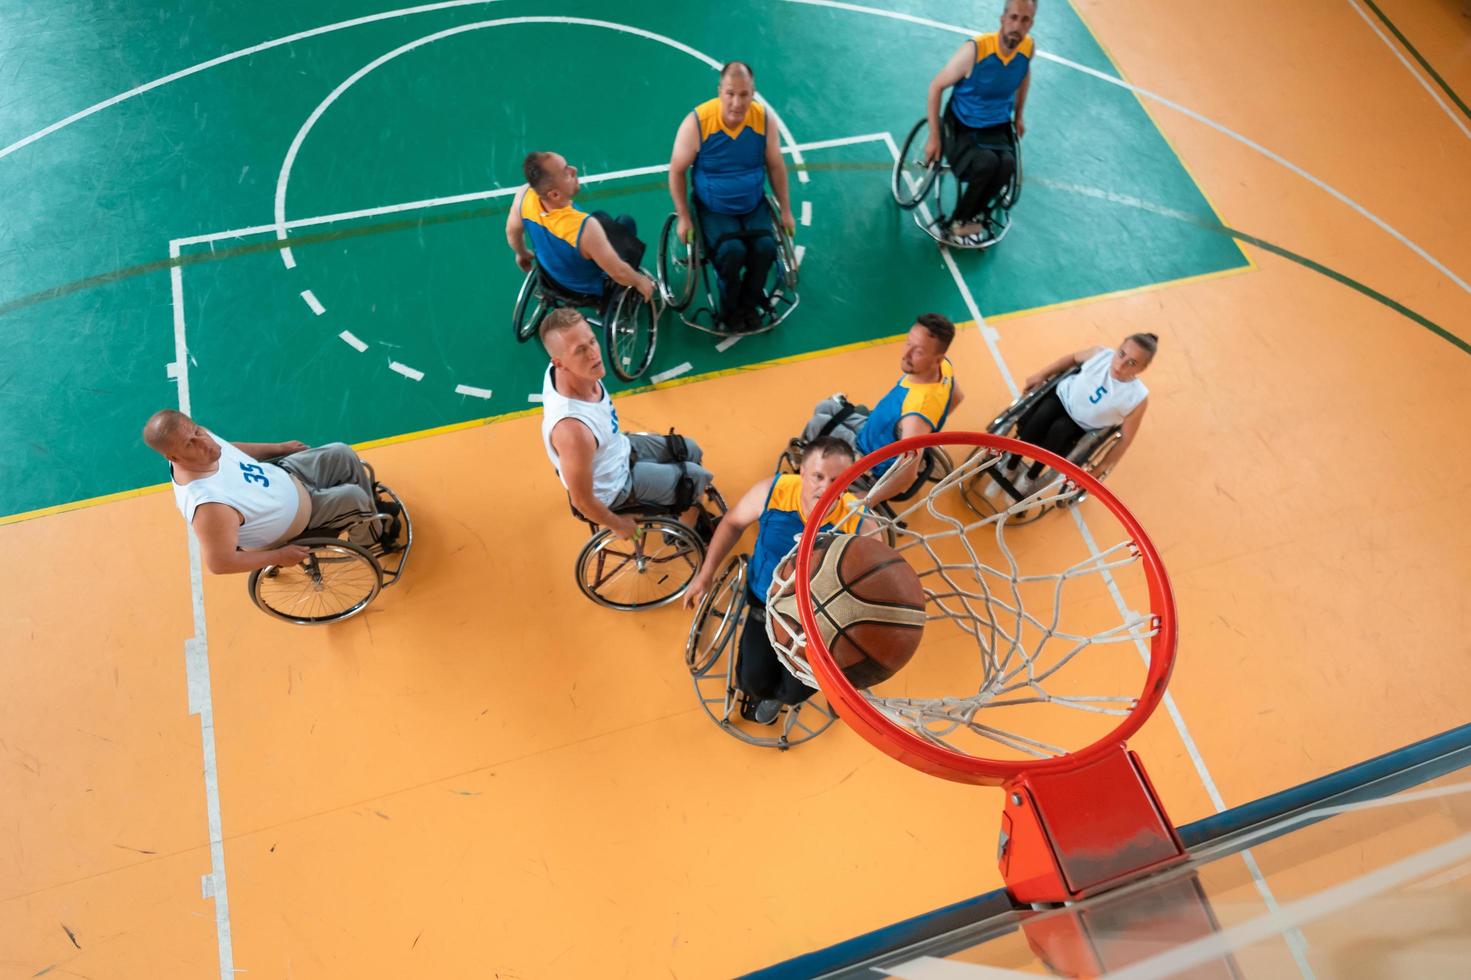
[{"x": 978, "y": 586}]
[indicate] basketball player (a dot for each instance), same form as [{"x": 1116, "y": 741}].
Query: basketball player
[
  {"x": 781, "y": 505},
  {"x": 244, "y": 509}
]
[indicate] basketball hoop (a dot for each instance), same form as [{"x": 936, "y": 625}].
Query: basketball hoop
[{"x": 1040, "y": 713}]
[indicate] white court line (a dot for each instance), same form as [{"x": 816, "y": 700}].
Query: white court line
[
  {"x": 1424, "y": 83},
  {"x": 196, "y": 669},
  {"x": 413, "y": 374},
  {"x": 728, "y": 343},
  {"x": 673, "y": 372},
  {"x": 472, "y": 391},
  {"x": 806, "y": 214},
  {"x": 534, "y": 399},
  {"x": 352, "y": 341},
  {"x": 1183, "y": 110},
  {"x": 283, "y": 179},
  {"x": 797, "y": 255},
  {"x": 313, "y": 302}
]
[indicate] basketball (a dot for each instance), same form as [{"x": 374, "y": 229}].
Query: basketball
[{"x": 869, "y": 606}]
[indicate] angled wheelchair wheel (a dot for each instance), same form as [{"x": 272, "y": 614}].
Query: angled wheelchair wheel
[
  {"x": 679, "y": 264},
  {"x": 336, "y": 581},
  {"x": 1013, "y": 190},
  {"x": 651, "y": 570},
  {"x": 631, "y": 329},
  {"x": 913, "y": 176},
  {"x": 786, "y": 249},
  {"x": 531, "y": 306},
  {"x": 717, "y": 617}
]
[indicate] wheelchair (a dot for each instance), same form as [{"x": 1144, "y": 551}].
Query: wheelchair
[
  {"x": 710, "y": 655},
  {"x": 685, "y": 269},
  {"x": 657, "y": 564},
  {"x": 338, "y": 579},
  {"x": 630, "y": 326},
  {"x": 935, "y": 190},
  {"x": 1028, "y": 506}
]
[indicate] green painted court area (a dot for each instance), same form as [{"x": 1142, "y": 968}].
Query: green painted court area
[{"x": 396, "y": 197}]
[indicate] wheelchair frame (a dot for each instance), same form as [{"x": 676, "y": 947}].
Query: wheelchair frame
[
  {"x": 781, "y": 298},
  {"x": 711, "y": 660},
  {"x": 913, "y": 181},
  {"x": 1088, "y": 453},
  {"x": 621, "y": 314},
  {"x": 334, "y": 557}
]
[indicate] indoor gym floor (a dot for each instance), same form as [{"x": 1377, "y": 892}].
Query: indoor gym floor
[{"x": 487, "y": 775}]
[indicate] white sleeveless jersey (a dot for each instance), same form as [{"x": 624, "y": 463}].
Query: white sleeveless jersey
[
  {"x": 263, "y": 494},
  {"x": 610, "y": 459},
  {"x": 1096, "y": 399}
]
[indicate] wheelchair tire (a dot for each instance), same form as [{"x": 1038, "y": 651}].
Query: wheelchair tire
[
  {"x": 786, "y": 249},
  {"x": 631, "y": 330},
  {"x": 679, "y": 264},
  {"x": 531, "y": 307},
  {"x": 913, "y": 177},
  {"x": 1013, "y": 191},
  {"x": 717, "y": 617},
  {"x": 651, "y": 571},
  {"x": 336, "y": 582}
]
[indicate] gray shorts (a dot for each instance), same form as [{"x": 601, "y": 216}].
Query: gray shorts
[{"x": 653, "y": 475}]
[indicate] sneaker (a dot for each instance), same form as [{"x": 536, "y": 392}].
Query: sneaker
[{"x": 767, "y": 711}]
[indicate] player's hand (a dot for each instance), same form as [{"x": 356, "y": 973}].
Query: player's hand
[
  {"x": 523, "y": 261},
  {"x": 622, "y": 527},
  {"x": 685, "y": 229},
  {"x": 698, "y": 586},
  {"x": 291, "y": 446},
  {"x": 1034, "y": 381},
  {"x": 291, "y": 554},
  {"x": 790, "y": 224},
  {"x": 932, "y": 148},
  {"x": 645, "y": 287},
  {"x": 1021, "y": 129}
]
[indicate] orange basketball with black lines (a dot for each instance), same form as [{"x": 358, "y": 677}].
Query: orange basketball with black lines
[{"x": 868, "y": 603}]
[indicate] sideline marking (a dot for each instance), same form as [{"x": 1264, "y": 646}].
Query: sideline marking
[
  {"x": 413, "y": 374},
  {"x": 1445, "y": 86},
  {"x": 673, "y": 372},
  {"x": 313, "y": 302},
  {"x": 471, "y": 391},
  {"x": 352, "y": 341}
]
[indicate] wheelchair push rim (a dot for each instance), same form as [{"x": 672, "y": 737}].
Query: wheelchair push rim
[
  {"x": 337, "y": 581},
  {"x": 631, "y": 330},
  {"x": 679, "y": 263},
  {"x": 913, "y": 176},
  {"x": 652, "y": 570},
  {"x": 722, "y": 607},
  {"x": 531, "y": 307}
]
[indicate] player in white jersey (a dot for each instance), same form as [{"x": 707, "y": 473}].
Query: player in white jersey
[
  {"x": 244, "y": 509},
  {"x": 603, "y": 469},
  {"x": 1106, "y": 391}
]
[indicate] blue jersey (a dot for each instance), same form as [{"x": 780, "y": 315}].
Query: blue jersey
[
  {"x": 987, "y": 96},
  {"x": 781, "y": 525},
  {"x": 730, "y": 167},
  {"x": 555, "y": 236},
  {"x": 930, "y": 402}
]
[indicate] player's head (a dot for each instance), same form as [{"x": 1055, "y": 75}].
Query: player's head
[
  {"x": 1132, "y": 356},
  {"x": 737, "y": 89},
  {"x": 571, "y": 344},
  {"x": 179, "y": 439},
  {"x": 823, "y": 460},
  {"x": 925, "y": 347},
  {"x": 1016, "y": 21},
  {"x": 551, "y": 176}
]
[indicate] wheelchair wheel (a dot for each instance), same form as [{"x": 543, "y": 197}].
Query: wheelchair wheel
[
  {"x": 1013, "y": 190},
  {"x": 786, "y": 249},
  {"x": 652, "y": 570},
  {"x": 531, "y": 307},
  {"x": 631, "y": 329},
  {"x": 679, "y": 264},
  {"x": 913, "y": 176},
  {"x": 717, "y": 617},
  {"x": 337, "y": 581}
]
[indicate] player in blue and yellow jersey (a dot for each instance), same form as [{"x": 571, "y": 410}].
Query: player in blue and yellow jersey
[
  {"x": 990, "y": 74},
  {"x": 781, "y": 506},
  {"x": 582, "y": 253},
  {"x": 732, "y": 145},
  {"x": 921, "y": 401}
]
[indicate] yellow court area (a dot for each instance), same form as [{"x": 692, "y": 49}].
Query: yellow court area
[{"x": 486, "y": 775}]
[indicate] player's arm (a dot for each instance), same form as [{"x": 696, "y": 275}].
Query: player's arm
[
  {"x": 746, "y": 512},
  {"x": 575, "y": 445},
  {"x": 955, "y": 69},
  {"x": 516, "y": 232},
  {"x": 593, "y": 244},
  {"x": 776, "y": 171},
  {"x": 1061, "y": 364},
  {"x": 217, "y": 526},
  {"x": 270, "y": 450},
  {"x": 1131, "y": 429},
  {"x": 956, "y": 394},
  {"x": 1021, "y": 101},
  {"x": 686, "y": 148},
  {"x": 906, "y": 466}
]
